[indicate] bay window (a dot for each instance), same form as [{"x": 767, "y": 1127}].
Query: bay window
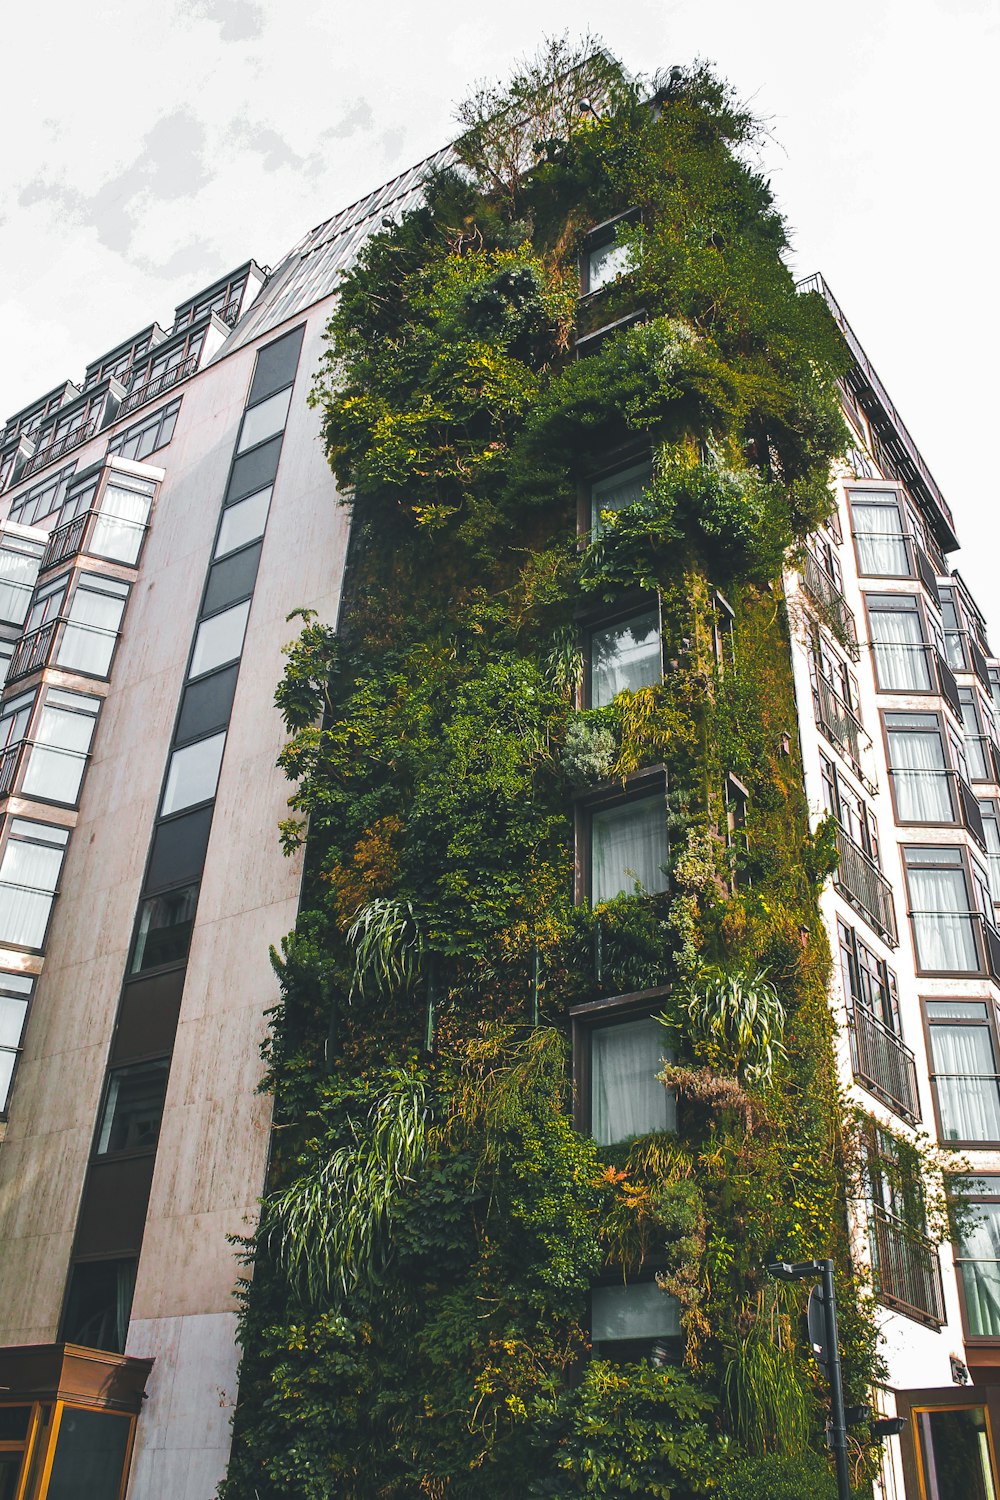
[
  {"x": 60, "y": 746},
  {"x": 943, "y": 913},
  {"x": 624, "y": 656},
  {"x": 918, "y": 769},
  {"x": 29, "y": 876},
  {"x": 990, "y": 814},
  {"x": 15, "y": 992},
  {"x": 90, "y": 630},
  {"x": 964, "y": 1078},
  {"x": 899, "y": 646},
  {"x": 121, "y": 520},
  {"x": 879, "y": 536},
  {"x": 977, "y": 1258},
  {"x": 19, "y": 560},
  {"x": 978, "y": 746}
]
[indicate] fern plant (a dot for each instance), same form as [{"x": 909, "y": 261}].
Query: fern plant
[{"x": 387, "y": 947}]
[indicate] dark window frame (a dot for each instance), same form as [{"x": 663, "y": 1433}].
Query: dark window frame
[
  {"x": 928, "y": 1022},
  {"x": 641, "y": 784},
  {"x": 590, "y": 1016}
]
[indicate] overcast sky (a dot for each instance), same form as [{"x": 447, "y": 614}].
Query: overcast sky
[{"x": 151, "y": 146}]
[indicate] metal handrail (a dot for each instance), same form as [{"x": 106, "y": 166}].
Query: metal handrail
[
  {"x": 10, "y": 757},
  {"x": 65, "y": 541},
  {"x": 822, "y": 588},
  {"x": 841, "y": 725},
  {"x": 907, "y": 1268},
  {"x": 158, "y": 384},
  {"x": 860, "y": 881},
  {"x": 882, "y": 1063},
  {"x": 33, "y": 650},
  {"x": 61, "y": 445}
]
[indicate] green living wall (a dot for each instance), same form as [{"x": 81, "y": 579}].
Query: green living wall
[{"x": 417, "y": 1318}]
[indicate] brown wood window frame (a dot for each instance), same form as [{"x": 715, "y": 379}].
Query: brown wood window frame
[
  {"x": 953, "y": 772},
  {"x": 608, "y": 794},
  {"x": 928, "y": 1023},
  {"x": 974, "y": 911},
  {"x": 588, "y": 1017}
]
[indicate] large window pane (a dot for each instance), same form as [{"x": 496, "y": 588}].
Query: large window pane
[
  {"x": 629, "y": 849},
  {"x": 219, "y": 639},
  {"x": 121, "y": 524},
  {"x": 133, "y": 1107},
  {"x": 979, "y": 1265},
  {"x": 878, "y": 535},
  {"x": 966, "y": 1082},
  {"x": 624, "y": 657},
  {"x": 243, "y": 522},
  {"x": 98, "y": 1307},
  {"x": 900, "y": 652},
  {"x": 62, "y": 737},
  {"x": 626, "y": 1097},
  {"x": 264, "y": 420},
  {"x": 165, "y": 924},
  {"x": 29, "y": 874},
  {"x": 628, "y": 1318},
  {"x": 18, "y": 571},
  {"x": 606, "y": 263},
  {"x": 955, "y": 1450},
  {"x": 944, "y": 924},
  {"x": 193, "y": 774},
  {"x": 919, "y": 774},
  {"x": 90, "y": 1454},
  {"x": 91, "y": 630}
]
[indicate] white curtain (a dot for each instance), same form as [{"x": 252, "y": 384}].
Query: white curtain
[
  {"x": 88, "y": 638},
  {"x": 920, "y": 777},
  {"x": 942, "y": 921},
  {"x": 629, "y": 848},
  {"x": 18, "y": 572},
  {"x": 900, "y": 654},
  {"x": 966, "y": 1087},
  {"x": 618, "y": 491},
  {"x": 28, "y": 875},
  {"x": 625, "y": 1097},
  {"x": 624, "y": 657},
  {"x": 879, "y": 536},
  {"x": 118, "y": 529},
  {"x": 980, "y": 1267}
]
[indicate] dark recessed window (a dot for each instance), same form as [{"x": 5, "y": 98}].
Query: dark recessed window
[
  {"x": 276, "y": 366},
  {"x": 99, "y": 1303},
  {"x": 206, "y": 704},
  {"x": 625, "y": 656},
  {"x": 231, "y": 579},
  {"x": 164, "y": 933},
  {"x": 618, "y": 490},
  {"x": 634, "y": 1320},
  {"x": 133, "y": 1106}
]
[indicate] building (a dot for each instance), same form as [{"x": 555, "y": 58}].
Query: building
[{"x": 160, "y": 521}]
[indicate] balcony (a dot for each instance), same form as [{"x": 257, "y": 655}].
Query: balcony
[
  {"x": 52, "y": 451},
  {"x": 159, "y": 383},
  {"x": 882, "y": 1063},
  {"x": 10, "y": 758},
  {"x": 32, "y": 651},
  {"x": 860, "y": 881},
  {"x": 842, "y": 727},
  {"x": 830, "y": 602},
  {"x": 906, "y": 1268},
  {"x": 99, "y": 533}
]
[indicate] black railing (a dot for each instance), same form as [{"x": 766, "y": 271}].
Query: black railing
[
  {"x": 32, "y": 650},
  {"x": 54, "y": 450},
  {"x": 10, "y": 758},
  {"x": 833, "y": 607},
  {"x": 65, "y": 541},
  {"x": 150, "y": 389},
  {"x": 882, "y": 1063},
  {"x": 906, "y": 1268},
  {"x": 860, "y": 881},
  {"x": 842, "y": 727}
]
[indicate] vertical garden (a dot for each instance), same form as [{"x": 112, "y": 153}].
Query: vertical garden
[{"x": 509, "y": 816}]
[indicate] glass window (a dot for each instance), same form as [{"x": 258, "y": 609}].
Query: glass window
[
  {"x": 193, "y": 774},
  {"x": 243, "y": 522},
  {"x": 629, "y": 849},
  {"x": 19, "y": 560},
  {"x": 164, "y": 930},
  {"x": 920, "y": 778},
  {"x": 254, "y": 470},
  {"x": 90, "y": 633},
  {"x": 978, "y": 1256},
  {"x": 60, "y": 746},
  {"x": 977, "y": 747},
  {"x": 954, "y": 1451},
  {"x": 868, "y": 981},
  {"x": 133, "y": 1106},
  {"x": 954, "y": 634},
  {"x": 944, "y": 919},
  {"x": 616, "y": 491},
  {"x": 219, "y": 639},
  {"x": 901, "y": 664},
  {"x": 606, "y": 262},
  {"x": 91, "y": 1450},
  {"x": 148, "y": 435},
  {"x": 628, "y": 1318},
  {"x": 625, "y": 657},
  {"x": 15, "y": 992},
  {"x": 878, "y": 534},
  {"x": 98, "y": 1306},
  {"x": 47, "y": 603},
  {"x": 15, "y": 718},
  {"x": 964, "y": 1072},
  {"x": 121, "y": 523},
  {"x": 990, "y": 813},
  {"x": 29, "y": 875},
  {"x": 276, "y": 365},
  {"x": 626, "y": 1098},
  {"x": 42, "y": 501},
  {"x": 6, "y": 656},
  {"x": 264, "y": 420}
]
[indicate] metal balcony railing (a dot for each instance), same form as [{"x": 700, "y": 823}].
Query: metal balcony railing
[
  {"x": 842, "y": 727},
  {"x": 150, "y": 389},
  {"x": 65, "y": 541},
  {"x": 860, "y": 881},
  {"x": 98, "y": 532},
  {"x": 830, "y": 602},
  {"x": 906, "y": 1268},
  {"x": 882, "y": 1063},
  {"x": 32, "y": 650},
  {"x": 10, "y": 759},
  {"x": 52, "y": 451}
]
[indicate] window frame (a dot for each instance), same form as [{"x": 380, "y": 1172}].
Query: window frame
[
  {"x": 951, "y": 771},
  {"x": 926, "y": 642},
  {"x": 621, "y": 461},
  {"x": 599, "y": 235},
  {"x": 156, "y": 418},
  {"x": 629, "y": 608},
  {"x": 131, "y": 971},
  {"x": 647, "y": 782},
  {"x": 9, "y": 836},
  {"x": 976, "y": 888},
  {"x": 895, "y": 498},
  {"x": 990, "y": 1022},
  {"x": 128, "y": 1152},
  {"x": 589, "y": 1016}
]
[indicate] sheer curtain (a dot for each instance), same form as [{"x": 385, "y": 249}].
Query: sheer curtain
[
  {"x": 966, "y": 1087},
  {"x": 942, "y": 921},
  {"x": 920, "y": 777},
  {"x": 625, "y": 1097},
  {"x": 629, "y": 847},
  {"x": 18, "y": 572},
  {"x": 59, "y": 755},
  {"x": 625, "y": 656},
  {"x": 618, "y": 490},
  {"x": 632, "y": 1310},
  {"x": 119, "y": 528},
  {"x": 28, "y": 876},
  {"x": 88, "y": 638},
  {"x": 879, "y": 536},
  {"x": 900, "y": 653},
  {"x": 980, "y": 1267}
]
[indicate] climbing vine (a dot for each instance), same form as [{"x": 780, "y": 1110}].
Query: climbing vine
[{"x": 417, "y": 1317}]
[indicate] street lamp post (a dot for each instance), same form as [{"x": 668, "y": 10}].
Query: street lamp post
[{"x": 827, "y": 1351}]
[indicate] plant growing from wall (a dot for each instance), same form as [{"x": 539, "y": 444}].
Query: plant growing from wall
[{"x": 417, "y": 1319}]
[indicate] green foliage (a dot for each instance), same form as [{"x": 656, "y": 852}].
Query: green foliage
[
  {"x": 416, "y": 1323},
  {"x": 774, "y": 1478}
]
